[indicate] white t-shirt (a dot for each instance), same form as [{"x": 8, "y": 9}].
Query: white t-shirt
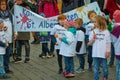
[
  {"x": 99, "y": 46},
  {"x": 80, "y": 36},
  {"x": 116, "y": 42},
  {"x": 58, "y": 29},
  {"x": 68, "y": 50},
  {"x": 3, "y": 38},
  {"x": 89, "y": 28}
]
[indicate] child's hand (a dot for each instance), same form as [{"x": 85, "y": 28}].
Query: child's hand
[
  {"x": 60, "y": 38},
  {"x": 15, "y": 36},
  {"x": 88, "y": 44},
  {"x": 94, "y": 36},
  {"x": 7, "y": 43},
  {"x": 56, "y": 43},
  {"x": 56, "y": 35},
  {"x": 107, "y": 55}
]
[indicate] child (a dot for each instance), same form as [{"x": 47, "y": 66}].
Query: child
[
  {"x": 22, "y": 38},
  {"x": 44, "y": 37},
  {"x": 100, "y": 39},
  {"x": 3, "y": 40},
  {"x": 50, "y": 9},
  {"x": 89, "y": 27},
  {"x": 116, "y": 41},
  {"x": 67, "y": 48},
  {"x": 80, "y": 46},
  {"x": 6, "y": 16},
  {"x": 59, "y": 30}
]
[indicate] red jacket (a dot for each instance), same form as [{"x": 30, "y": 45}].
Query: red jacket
[
  {"x": 111, "y": 7},
  {"x": 48, "y": 8}
]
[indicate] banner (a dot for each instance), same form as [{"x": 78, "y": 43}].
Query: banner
[{"x": 27, "y": 21}]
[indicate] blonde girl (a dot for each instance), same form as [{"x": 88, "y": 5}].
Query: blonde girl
[{"x": 100, "y": 39}]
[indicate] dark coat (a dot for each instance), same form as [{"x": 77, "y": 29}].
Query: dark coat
[
  {"x": 23, "y": 36},
  {"x": 67, "y": 6}
]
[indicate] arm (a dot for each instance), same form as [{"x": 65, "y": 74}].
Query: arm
[
  {"x": 78, "y": 46},
  {"x": 91, "y": 38},
  {"x": 108, "y": 44}
]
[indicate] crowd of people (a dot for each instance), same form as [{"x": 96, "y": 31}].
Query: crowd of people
[{"x": 99, "y": 38}]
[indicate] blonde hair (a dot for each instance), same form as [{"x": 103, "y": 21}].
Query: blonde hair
[
  {"x": 79, "y": 21},
  {"x": 102, "y": 25}
]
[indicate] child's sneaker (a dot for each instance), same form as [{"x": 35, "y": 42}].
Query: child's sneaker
[
  {"x": 79, "y": 70},
  {"x": 64, "y": 73},
  {"x": 27, "y": 60},
  {"x": 5, "y": 76},
  {"x": 42, "y": 55},
  {"x": 18, "y": 60},
  {"x": 70, "y": 75},
  {"x": 50, "y": 55}
]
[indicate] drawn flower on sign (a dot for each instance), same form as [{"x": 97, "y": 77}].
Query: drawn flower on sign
[{"x": 24, "y": 20}]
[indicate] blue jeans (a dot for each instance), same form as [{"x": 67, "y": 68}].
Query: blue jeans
[
  {"x": 81, "y": 59},
  {"x": 89, "y": 48},
  {"x": 117, "y": 69},
  {"x": 69, "y": 64},
  {"x": 112, "y": 58},
  {"x": 52, "y": 46},
  {"x": 97, "y": 62},
  {"x": 45, "y": 48},
  {"x": 7, "y": 57},
  {"x": 2, "y": 71}
]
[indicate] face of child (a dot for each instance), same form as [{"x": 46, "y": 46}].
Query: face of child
[
  {"x": 77, "y": 25},
  {"x": 3, "y": 6},
  {"x": 61, "y": 22},
  {"x": 91, "y": 16},
  {"x": 18, "y": 2},
  {"x": 65, "y": 25},
  {"x": 95, "y": 23}
]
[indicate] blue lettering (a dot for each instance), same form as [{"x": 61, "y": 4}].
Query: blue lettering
[
  {"x": 30, "y": 24},
  {"x": 72, "y": 16},
  {"x": 41, "y": 24},
  {"x": 27, "y": 13},
  {"x": 47, "y": 24}
]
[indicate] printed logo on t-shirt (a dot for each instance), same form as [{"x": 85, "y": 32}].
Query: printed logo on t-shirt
[{"x": 100, "y": 37}]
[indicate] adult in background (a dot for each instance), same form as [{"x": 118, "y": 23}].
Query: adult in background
[
  {"x": 112, "y": 6},
  {"x": 22, "y": 38},
  {"x": 68, "y": 5},
  {"x": 7, "y": 17}
]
